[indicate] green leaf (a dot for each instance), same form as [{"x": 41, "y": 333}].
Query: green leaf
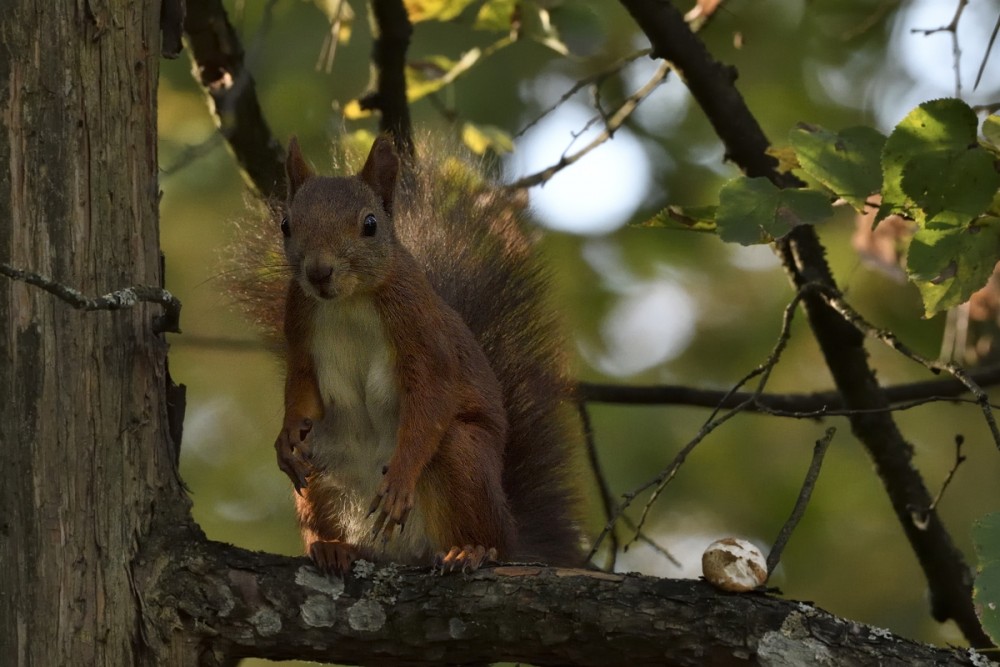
[
  {"x": 496, "y": 15},
  {"x": 951, "y": 186},
  {"x": 938, "y": 126},
  {"x": 848, "y": 162},
  {"x": 693, "y": 218},
  {"x": 754, "y": 210},
  {"x": 986, "y": 592},
  {"x": 434, "y": 10},
  {"x": 991, "y": 130},
  {"x": 481, "y": 138},
  {"x": 948, "y": 263}
]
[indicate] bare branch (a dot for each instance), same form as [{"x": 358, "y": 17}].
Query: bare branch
[
  {"x": 813, "y": 405},
  {"x": 389, "y": 58},
  {"x": 819, "y": 451},
  {"x": 661, "y": 480},
  {"x": 218, "y": 56},
  {"x": 594, "y": 79},
  {"x": 835, "y": 299},
  {"x": 117, "y": 300},
  {"x": 956, "y": 51},
  {"x": 986, "y": 54},
  {"x": 613, "y": 123},
  {"x": 959, "y": 460},
  {"x": 607, "y": 503}
]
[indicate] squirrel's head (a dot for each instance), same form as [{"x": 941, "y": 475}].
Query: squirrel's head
[{"x": 339, "y": 237}]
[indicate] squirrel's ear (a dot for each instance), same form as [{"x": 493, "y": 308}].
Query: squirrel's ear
[
  {"x": 381, "y": 169},
  {"x": 296, "y": 169}
]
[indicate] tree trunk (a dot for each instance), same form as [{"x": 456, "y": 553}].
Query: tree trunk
[{"x": 83, "y": 437}]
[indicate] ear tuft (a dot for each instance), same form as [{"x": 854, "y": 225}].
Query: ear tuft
[
  {"x": 381, "y": 170},
  {"x": 297, "y": 170}
]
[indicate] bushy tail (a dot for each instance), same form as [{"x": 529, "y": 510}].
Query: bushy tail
[{"x": 472, "y": 241}]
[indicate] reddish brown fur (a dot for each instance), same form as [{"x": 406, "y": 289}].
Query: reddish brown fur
[{"x": 476, "y": 481}]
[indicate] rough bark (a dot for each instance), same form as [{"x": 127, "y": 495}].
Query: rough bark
[
  {"x": 229, "y": 603},
  {"x": 84, "y": 455}
]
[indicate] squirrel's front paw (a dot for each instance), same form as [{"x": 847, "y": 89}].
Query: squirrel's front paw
[
  {"x": 294, "y": 454},
  {"x": 396, "y": 496}
]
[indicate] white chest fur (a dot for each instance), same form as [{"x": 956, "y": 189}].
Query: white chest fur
[{"x": 354, "y": 368}]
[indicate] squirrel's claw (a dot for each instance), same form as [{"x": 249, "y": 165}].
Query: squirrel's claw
[
  {"x": 294, "y": 454},
  {"x": 333, "y": 557},
  {"x": 465, "y": 559},
  {"x": 396, "y": 506}
]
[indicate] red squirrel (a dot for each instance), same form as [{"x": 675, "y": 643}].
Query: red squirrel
[{"x": 424, "y": 394}]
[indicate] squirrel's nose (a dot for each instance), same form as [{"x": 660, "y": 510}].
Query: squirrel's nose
[{"x": 319, "y": 274}]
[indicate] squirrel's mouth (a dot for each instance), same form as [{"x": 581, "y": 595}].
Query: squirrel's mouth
[{"x": 331, "y": 288}]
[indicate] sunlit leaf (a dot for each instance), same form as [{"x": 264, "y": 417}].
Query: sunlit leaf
[
  {"x": 951, "y": 186},
  {"x": 353, "y": 111},
  {"x": 754, "y": 210},
  {"x": 986, "y": 592},
  {"x": 538, "y": 27},
  {"x": 496, "y": 15},
  {"x": 938, "y": 126},
  {"x": 435, "y": 72},
  {"x": 786, "y": 157},
  {"x": 481, "y": 138},
  {"x": 693, "y": 218},
  {"x": 948, "y": 263},
  {"x": 436, "y": 10},
  {"x": 846, "y": 162},
  {"x": 991, "y": 130}
]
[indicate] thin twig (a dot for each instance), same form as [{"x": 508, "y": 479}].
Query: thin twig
[
  {"x": 661, "y": 480},
  {"x": 594, "y": 79},
  {"x": 956, "y": 51},
  {"x": 764, "y": 371},
  {"x": 959, "y": 460},
  {"x": 169, "y": 321},
  {"x": 836, "y": 301},
  {"x": 986, "y": 54},
  {"x": 819, "y": 451},
  {"x": 643, "y": 537},
  {"x": 607, "y": 503},
  {"x": 614, "y": 122}
]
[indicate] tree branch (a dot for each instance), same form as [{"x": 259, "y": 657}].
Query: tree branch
[
  {"x": 242, "y": 604},
  {"x": 821, "y": 403},
  {"x": 118, "y": 300},
  {"x": 218, "y": 57},
  {"x": 803, "y": 256},
  {"x": 389, "y": 58},
  {"x": 611, "y": 125}
]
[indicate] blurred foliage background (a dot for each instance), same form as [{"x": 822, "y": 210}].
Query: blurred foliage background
[{"x": 642, "y": 306}]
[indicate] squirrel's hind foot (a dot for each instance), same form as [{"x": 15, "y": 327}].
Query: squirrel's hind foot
[
  {"x": 334, "y": 557},
  {"x": 465, "y": 559}
]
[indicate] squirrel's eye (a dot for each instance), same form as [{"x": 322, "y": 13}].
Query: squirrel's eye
[
  {"x": 370, "y": 225},
  {"x": 286, "y": 231}
]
